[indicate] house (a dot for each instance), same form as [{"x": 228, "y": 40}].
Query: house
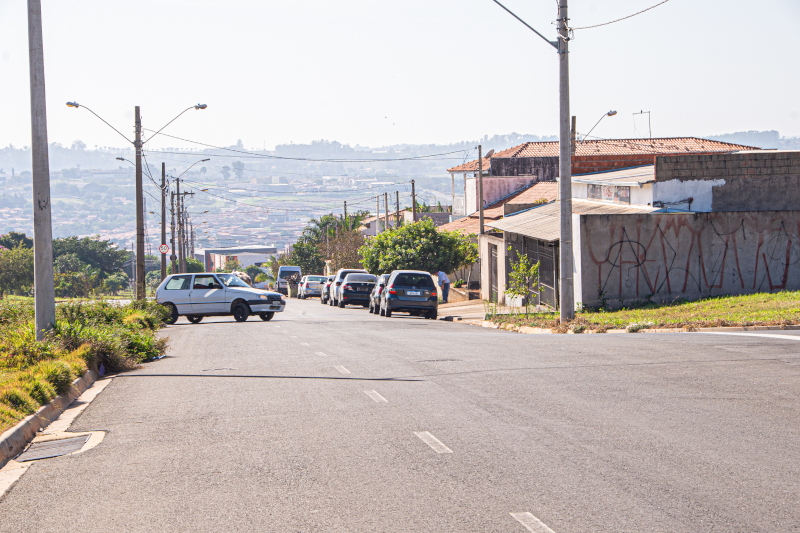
[
  {"x": 690, "y": 226},
  {"x": 213, "y": 258},
  {"x": 512, "y": 169}
]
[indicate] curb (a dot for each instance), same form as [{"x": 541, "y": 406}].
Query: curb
[
  {"x": 538, "y": 331},
  {"x": 14, "y": 440}
]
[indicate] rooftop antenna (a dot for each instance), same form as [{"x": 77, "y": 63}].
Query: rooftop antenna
[{"x": 649, "y": 130}]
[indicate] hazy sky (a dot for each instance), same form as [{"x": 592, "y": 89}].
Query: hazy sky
[{"x": 376, "y": 72}]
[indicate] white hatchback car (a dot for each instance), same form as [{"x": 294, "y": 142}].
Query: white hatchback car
[{"x": 208, "y": 294}]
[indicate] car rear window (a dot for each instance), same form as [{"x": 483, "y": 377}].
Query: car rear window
[
  {"x": 178, "y": 283},
  {"x": 316, "y": 278},
  {"x": 361, "y": 278},
  {"x": 414, "y": 280}
]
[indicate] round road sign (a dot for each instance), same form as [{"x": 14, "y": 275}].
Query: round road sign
[{"x": 164, "y": 248}]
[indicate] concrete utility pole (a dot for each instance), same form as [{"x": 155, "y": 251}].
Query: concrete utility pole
[
  {"x": 453, "y": 192},
  {"x": 573, "y": 134},
  {"x": 480, "y": 187},
  {"x": 44, "y": 291},
  {"x": 397, "y": 198},
  {"x": 413, "y": 201},
  {"x": 386, "y": 209},
  {"x": 567, "y": 299},
  {"x": 163, "y": 218},
  {"x": 180, "y": 223},
  {"x": 345, "y": 213},
  {"x": 172, "y": 256},
  {"x": 140, "y": 289},
  {"x": 377, "y": 214}
]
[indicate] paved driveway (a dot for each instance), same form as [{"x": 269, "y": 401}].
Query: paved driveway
[{"x": 329, "y": 419}]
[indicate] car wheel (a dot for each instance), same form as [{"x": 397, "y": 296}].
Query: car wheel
[
  {"x": 322, "y": 300},
  {"x": 342, "y": 304},
  {"x": 240, "y": 312},
  {"x": 266, "y": 317},
  {"x": 370, "y": 308},
  {"x": 194, "y": 319},
  {"x": 387, "y": 313},
  {"x": 432, "y": 314},
  {"x": 173, "y": 313}
]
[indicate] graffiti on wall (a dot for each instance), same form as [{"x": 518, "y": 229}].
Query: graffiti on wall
[{"x": 663, "y": 256}]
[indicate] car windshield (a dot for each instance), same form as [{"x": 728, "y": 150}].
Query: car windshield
[
  {"x": 316, "y": 279},
  {"x": 361, "y": 278},
  {"x": 414, "y": 280},
  {"x": 232, "y": 281}
]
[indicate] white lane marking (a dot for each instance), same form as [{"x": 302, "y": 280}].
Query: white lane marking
[
  {"x": 341, "y": 369},
  {"x": 375, "y": 396},
  {"x": 433, "y": 442},
  {"x": 531, "y": 523},
  {"x": 767, "y": 335},
  {"x": 323, "y": 354},
  {"x": 304, "y": 344}
]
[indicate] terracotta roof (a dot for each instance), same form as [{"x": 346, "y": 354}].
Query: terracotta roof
[
  {"x": 547, "y": 190},
  {"x": 544, "y": 222},
  {"x": 661, "y": 145},
  {"x": 472, "y": 166}
]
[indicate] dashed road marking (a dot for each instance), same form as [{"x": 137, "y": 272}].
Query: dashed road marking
[
  {"x": 323, "y": 354},
  {"x": 433, "y": 442},
  {"x": 531, "y": 523},
  {"x": 375, "y": 396},
  {"x": 341, "y": 369},
  {"x": 767, "y": 335}
]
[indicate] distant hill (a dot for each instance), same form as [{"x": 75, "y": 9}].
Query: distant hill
[{"x": 761, "y": 139}]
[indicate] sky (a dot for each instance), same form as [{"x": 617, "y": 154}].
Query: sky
[{"x": 377, "y": 73}]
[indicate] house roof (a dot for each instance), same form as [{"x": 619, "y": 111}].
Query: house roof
[
  {"x": 601, "y": 147},
  {"x": 626, "y": 176},
  {"x": 544, "y": 222},
  {"x": 547, "y": 190}
]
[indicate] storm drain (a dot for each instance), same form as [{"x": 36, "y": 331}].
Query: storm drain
[{"x": 53, "y": 448}]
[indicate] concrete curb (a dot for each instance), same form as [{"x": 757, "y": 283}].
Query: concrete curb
[
  {"x": 14, "y": 440},
  {"x": 538, "y": 331}
]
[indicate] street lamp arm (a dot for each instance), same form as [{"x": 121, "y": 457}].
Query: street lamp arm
[
  {"x": 554, "y": 44},
  {"x": 198, "y": 106},
  {"x": 190, "y": 166},
  {"x": 75, "y": 104},
  {"x": 609, "y": 114}
]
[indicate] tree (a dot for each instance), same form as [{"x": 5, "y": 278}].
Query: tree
[
  {"x": 13, "y": 239},
  {"x": 92, "y": 251},
  {"x": 307, "y": 256},
  {"x": 67, "y": 263},
  {"x": 116, "y": 282},
  {"x": 253, "y": 271},
  {"x": 418, "y": 246},
  {"x": 193, "y": 266},
  {"x": 343, "y": 251},
  {"x": 16, "y": 269},
  {"x": 226, "y": 172},
  {"x": 231, "y": 264},
  {"x": 523, "y": 280},
  {"x": 238, "y": 169}
]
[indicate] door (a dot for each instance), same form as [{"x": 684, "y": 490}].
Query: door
[
  {"x": 208, "y": 295},
  {"x": 493, "y": 272},
  {"x": 178, "y": 290}
]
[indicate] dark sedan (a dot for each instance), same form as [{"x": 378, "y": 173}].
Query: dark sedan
[
  {"x": 411, "y": 291},
  {"x": 356, "y": 289},
  {"x": 375, "y": 296}
]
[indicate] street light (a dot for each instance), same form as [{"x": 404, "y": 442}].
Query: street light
[
  {"x": 609, "y": 114},
  {"x": 138, "y": 145}
]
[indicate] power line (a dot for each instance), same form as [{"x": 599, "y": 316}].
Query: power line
[{"x": 623, "y": 18}]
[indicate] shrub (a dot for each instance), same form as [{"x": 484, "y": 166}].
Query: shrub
[
  {"x": 37, "y": 388},
  {"x": 17, "y": 399},
  {"x": 57, "y": 373}
]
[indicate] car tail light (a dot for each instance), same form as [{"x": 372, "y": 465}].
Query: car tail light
[
  {"x": 348, "y": 288},
  {"x": 380, "y": 290},
  {"x": 433, "y": 293},
  {"x": 391, "y": 289}
]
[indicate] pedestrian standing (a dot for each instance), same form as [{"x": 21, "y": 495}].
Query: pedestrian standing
[{"x": 444, "y": 283}]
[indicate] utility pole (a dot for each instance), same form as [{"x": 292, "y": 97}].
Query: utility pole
[
  {"x": 172, "y": 256},
  {"x": 567, "y": 297},
  {"x": 44, "y": 291},
  {"x": 453, "y": 192},
  {"x": 180, "y": 233},
  {"x": 378, "y": 214},
  {"x": 140, "y": 290},
  {"x": 573, "y": 134},
  {"x": 191, "y": 236},
  {"x": 386, "y": 209},
  {"x": 480, "y": 186},
  {"x": 345, "y": 214},
  {"x": 413, "y": 201},
  {"x": 397, "y": 214},
  {"x": 163, "y": 218}
]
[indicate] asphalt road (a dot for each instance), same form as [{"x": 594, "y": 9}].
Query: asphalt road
[{"x": 337, "y": 420}]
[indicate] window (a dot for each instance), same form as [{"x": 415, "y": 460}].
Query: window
[
  {"x": 360, "y": 278},
  {"x": 206, "y": 282},
  {"x": 178, "y": 283},
  {"x": 317, "y": 279},
  {"x": 622, "y": 195},
  {"x": 414, "y": 280},
  {"x": 595, "y": 192},
  {"x": 229, "y": 280}
]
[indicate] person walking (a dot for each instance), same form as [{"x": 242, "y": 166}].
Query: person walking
[{"x": 444, "y": 283}]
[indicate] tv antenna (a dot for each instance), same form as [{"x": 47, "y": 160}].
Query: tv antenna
[{"x": 649, "y": 130}]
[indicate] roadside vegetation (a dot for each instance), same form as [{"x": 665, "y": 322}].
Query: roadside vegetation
[
  {"x": 762, "y": 309},
  {"x": 95, "y": 335}
]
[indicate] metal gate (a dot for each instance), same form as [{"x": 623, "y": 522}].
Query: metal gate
[
  {"x": 546, "y": 254},
  {"x": 493, "y": 272}
]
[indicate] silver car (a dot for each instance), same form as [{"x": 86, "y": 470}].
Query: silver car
[{"x": 311, "y": 286}]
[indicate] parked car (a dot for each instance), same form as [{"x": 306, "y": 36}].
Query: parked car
[
  {"x": 208, "y": 294},
  {"x": 412, "y": 291},
  {"x": 287, "y": 275},
  {"x": 326, "y": 294},
  {"x": 356, "y": 289},
  {"x": 337, "y": 283},
  {"x": 311, "y": 286},
  {"x": 375, "y": 295}
]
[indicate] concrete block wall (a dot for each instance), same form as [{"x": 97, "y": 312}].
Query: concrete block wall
[{"x": 625, "y": 258}]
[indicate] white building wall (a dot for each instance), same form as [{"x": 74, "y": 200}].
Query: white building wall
[
  {"x": 676, "y": 191},
  {"x": 494, "y": 188}
]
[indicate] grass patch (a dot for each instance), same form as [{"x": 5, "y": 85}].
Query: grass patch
[
  {"x": 88, "y": 334},
  {"x": 762, "y": 309}
]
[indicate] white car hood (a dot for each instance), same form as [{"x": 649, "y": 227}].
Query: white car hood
[{"x": 246, "y": 291}]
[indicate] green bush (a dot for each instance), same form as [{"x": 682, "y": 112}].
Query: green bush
[{"x": 58, "y": 373}]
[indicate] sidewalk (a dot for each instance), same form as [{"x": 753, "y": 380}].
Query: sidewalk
[{"x": 470, "y": 310}]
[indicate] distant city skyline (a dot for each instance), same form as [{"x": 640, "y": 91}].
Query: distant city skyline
[{"x": 377, "y": 74}]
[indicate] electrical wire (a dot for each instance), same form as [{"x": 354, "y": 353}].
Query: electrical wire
[{"x": 623, "y": 18}]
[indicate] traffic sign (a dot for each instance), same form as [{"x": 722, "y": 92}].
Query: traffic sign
[{"x": 164, "y": 248}]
